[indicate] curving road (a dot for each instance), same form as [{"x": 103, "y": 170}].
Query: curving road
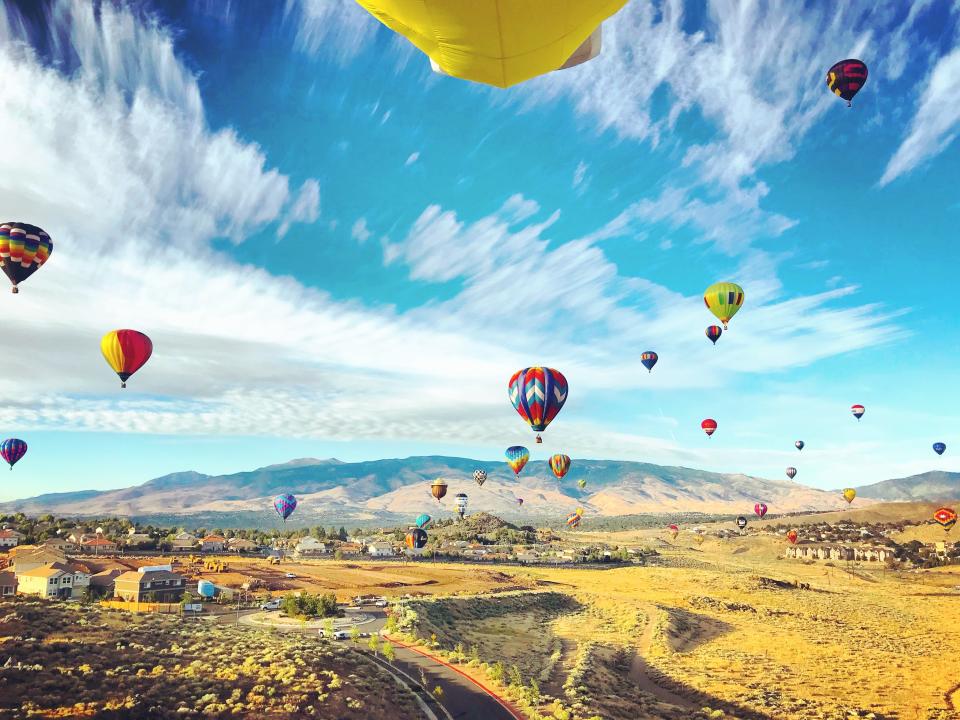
[{"x": 463, "y": 699}]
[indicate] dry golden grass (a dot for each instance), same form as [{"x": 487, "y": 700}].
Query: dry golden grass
[{"x": 860, "y": 639}]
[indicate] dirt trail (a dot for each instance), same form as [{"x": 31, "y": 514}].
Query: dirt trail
[
  {"x": 639, "y": 669},
  {"x": 568, "y": 652}
]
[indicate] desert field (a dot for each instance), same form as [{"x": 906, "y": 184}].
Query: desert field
[
  {"x": 76, "y": 660},
  {"x": 730, "y": 626},
  {"x": 346, "y": 578}
]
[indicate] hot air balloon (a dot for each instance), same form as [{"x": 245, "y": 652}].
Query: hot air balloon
[
  {"x": 285, "y": 505},
  {"x": 12, "y": 450},
  {"x": 760, "y": 509},
  {"x": 714, "y": 332},
  {"x": 517, "y": 457},
  {"x": 709, "y": 426},
  {"x": 792, "y": 537},
  {"x": 741, "y": 522},
  {"x": 495, "y": 43},
  {"x": 849, "y": 494},
  {"x": 723, "y": 299},
  {"x": 461, "y": 502},
  {"x": 858, "y": 411},
  {"x": 416, "y": 539},
  {"x": 480, "y": 476},
  {"x": 846, "y": 78},
  {"x": 946, "y": 517},
  {"x": 560, "y": 464},
  {"x": 423, "y": 520},
  {"x": 438, "y": 488},
  {"x": 791, "y": 472},
  {"x": 799, "y": 444},
  {"x": 649, "y": 359},
  {"x": 939, "y": 448},
  {"x": 581, "y": 483},
  {"x": 520, "y": 502},
  {"x": 673, "y": 530},
  {"x": 573, "y": 519},
  {"x": 126, "y": 351},
  {"x": 23, "y": 249},
  {"x": 537, "y": 394}
]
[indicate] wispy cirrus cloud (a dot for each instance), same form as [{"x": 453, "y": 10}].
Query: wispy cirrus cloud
[{"x": 936, "y": 123}]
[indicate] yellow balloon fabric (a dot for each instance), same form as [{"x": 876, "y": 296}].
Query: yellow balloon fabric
[
  {"x": 112, "y": 351},
  {"x": 849, "y": 494},
  {"x": 724, "y": 299},
  {"x": 497, "y": 42}
]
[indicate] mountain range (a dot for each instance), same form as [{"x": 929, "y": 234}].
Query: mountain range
[{"x": 392, "y": 489}]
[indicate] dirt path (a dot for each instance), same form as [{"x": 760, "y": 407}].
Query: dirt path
[
  {"x": 639, "y": 672},
  {"x": 554, "y": 686}
]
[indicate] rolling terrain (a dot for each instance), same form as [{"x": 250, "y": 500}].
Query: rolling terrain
[{"x": 391, "y": 489}]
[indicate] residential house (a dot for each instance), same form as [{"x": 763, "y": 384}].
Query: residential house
[
  {"x": 46, "y": 581},
  {"x": 213, "y": 543},
  {"x": 350, "y": 548},
  {"x": 81, "y": 576},
  {"x": 9, "y": 538},
  {"x": 98, "y": 545},
  {"x": 135, "y": 539},
  {"x": 380, "y": 549},
  {"x": 183, "y": 542},
  {"x": 34, "y": 558},
  {"x": 310, "y": 547},
  {"x": 528, "y": 556},
  {"x": 101, "y": 583},
  {"x": 60, "y": 544},
  {"x": 8, "y": 584},
  {"x": 242, "y": 545},
  {"x": 149, "y": 584}
]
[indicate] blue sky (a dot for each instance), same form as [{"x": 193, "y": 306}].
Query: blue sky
[{"x": 340, "y": 253}]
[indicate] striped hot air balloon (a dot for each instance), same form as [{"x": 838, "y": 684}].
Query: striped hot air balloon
[
  {"x": 714, "y": 332},
  {"x": 760, "y": 509},
  {"x": 517, "y": 457},
  {"x": 560, "y": 464},
  {"x": 126, "y": 351},
  {"x": 12, "y": 450},
  {"x": 858, "y": 411},
  {"x": 23, "y": 249},
  {"x": 709, "y": 426},
  {"x": 724, "y": 300},
  {"x": 438, "y": 488},
  {"x": 649, "y": 359},
  {"x": 791, "y": 472},
  {"x": 537, "y": 394}
]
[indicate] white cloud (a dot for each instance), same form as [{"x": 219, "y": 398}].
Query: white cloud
[
  {"x": 579, "y": 174},
  {"x": 337, "y": 28},
  {"x": 305, "y": 209},
  {"x": 936, "y": 122},
  {"x": 412, "y": 159},
  {"x": 666, "y": 244},
  {"x": 360, "y": 232}
]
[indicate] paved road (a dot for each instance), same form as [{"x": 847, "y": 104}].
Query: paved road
[{"x": 462, "y": 698}]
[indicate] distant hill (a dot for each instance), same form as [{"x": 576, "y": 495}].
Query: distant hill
[
  {"x": 929, "y": 486},
  {"x": 393, "y": 490}
]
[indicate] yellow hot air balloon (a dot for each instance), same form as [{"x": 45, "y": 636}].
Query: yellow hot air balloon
[
  {"x": 495, "y": 42},
  {"x": 723, "y": 299},
  {"x": 849, "y": 494}
]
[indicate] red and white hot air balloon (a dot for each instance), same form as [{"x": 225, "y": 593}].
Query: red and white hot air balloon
[{"x": 709, "y": 426}]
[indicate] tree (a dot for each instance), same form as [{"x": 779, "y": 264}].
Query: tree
[
  {"x": 328, "y": 627},
  {"x": 355, "y": 634},
  {"x": 496, "y": 672},
  {"x": 372, "y": 644},
  {"x": 342, "y": 535},
  {"x": 438, "y": 692},
  {"x": 389, "y": 652},
  {"x": 338, "y": 554},
  {"x": 533, "y": 694}
]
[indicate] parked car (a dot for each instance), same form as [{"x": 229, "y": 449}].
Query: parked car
[
  {"x": 271, "y": 605},
  {"x": 341, "y": 635},
  {"x": 381, "y": 603},
  {"x": 291, "y": 575}
]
